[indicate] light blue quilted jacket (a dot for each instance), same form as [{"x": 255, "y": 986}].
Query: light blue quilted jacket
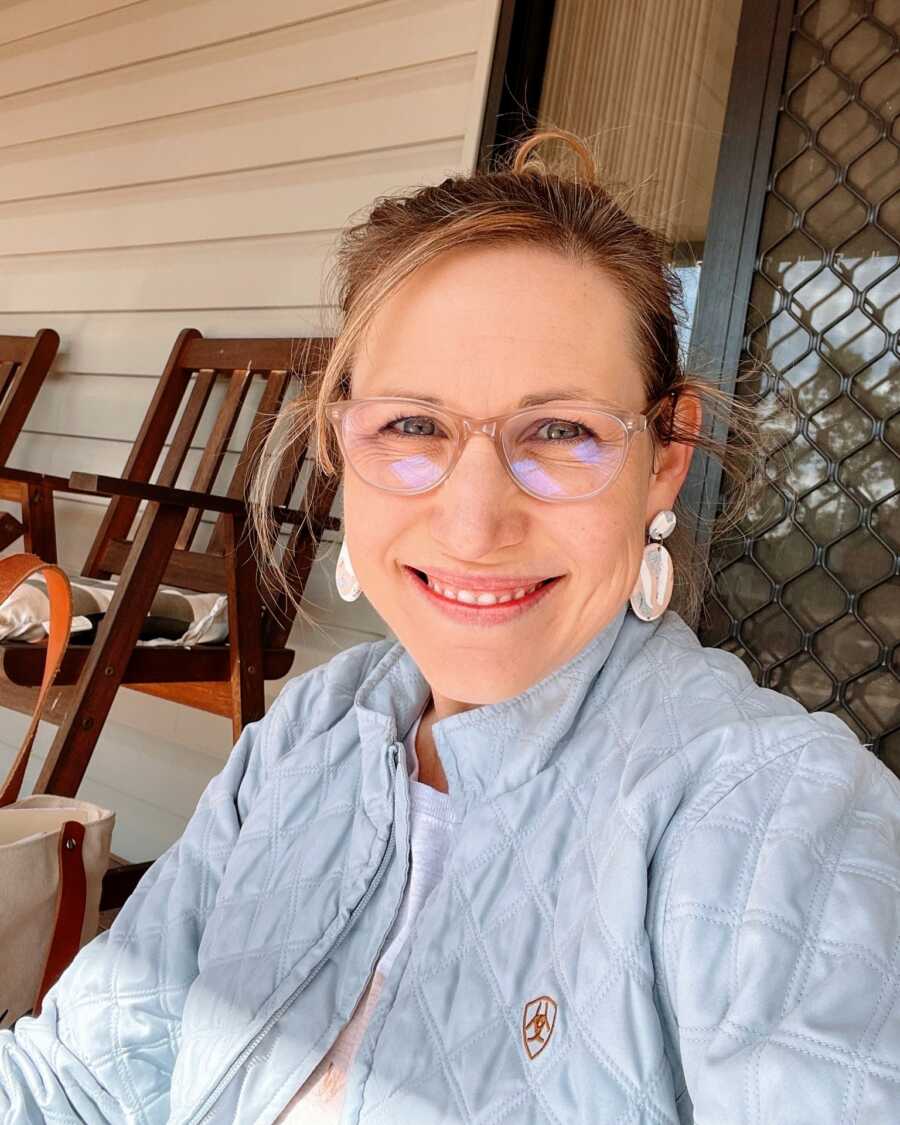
[{"x": 674, "y": 897}]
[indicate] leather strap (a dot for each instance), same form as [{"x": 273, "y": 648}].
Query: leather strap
[
  {"x": 71, "y": 895},
  {"x": 13, "y": 572},
  {"x": 70, "y": 905}
]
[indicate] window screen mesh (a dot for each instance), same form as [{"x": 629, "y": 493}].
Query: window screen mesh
[{"x": 808, "y": 591}]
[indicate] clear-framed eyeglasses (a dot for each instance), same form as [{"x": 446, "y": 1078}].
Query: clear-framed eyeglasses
[{"x": 558, "y": 451}]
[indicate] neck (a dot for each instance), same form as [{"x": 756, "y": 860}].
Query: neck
[
  {"x": 431, "y": 772},
  {"x": 442, "y": 706}
]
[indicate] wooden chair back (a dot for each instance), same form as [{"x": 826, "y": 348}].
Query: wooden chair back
[
  {"x": 24, "y": 362},
  {"x": 237, "y": 373}
]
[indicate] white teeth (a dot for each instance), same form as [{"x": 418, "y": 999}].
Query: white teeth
[{"x": 468, "y": 597}]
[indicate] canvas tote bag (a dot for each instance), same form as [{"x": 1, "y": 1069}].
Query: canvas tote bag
[{"x": 54, "y": 851}]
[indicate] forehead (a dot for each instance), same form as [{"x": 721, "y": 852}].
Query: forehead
[{"x": 481, "y": 327}]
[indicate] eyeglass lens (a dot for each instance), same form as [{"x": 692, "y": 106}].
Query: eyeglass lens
[{"x": 558, "y": 453}]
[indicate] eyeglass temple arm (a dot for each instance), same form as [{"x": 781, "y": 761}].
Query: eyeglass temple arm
[{"x": 670, "y": 397}]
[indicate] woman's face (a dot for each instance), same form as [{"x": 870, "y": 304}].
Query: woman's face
[{"x": 480, "y": 328}]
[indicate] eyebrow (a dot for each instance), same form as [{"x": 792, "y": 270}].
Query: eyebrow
[{"x": 536, "y": 399}]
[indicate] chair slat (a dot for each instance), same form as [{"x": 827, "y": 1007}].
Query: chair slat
[
  {"x": 28, "y": 359},
  {"x": 211, "y": 461},
  {"x": 187, "y": 427},
  {"x": 263, "y": 420},
  {"x": 299, "y": 556},
  {"x": 189, "y": 570},
  {"x": 16, "y": 349},
  {"x": 7, "y": 370},
  {"x": 145, "y": 452}
]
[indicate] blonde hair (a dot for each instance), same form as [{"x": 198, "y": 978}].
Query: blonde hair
[{"x": 520, "y": 201}]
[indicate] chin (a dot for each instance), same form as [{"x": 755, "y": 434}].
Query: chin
[{"x": 477, "y": 686}]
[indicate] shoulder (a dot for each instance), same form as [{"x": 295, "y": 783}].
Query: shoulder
[
  {"x": 780, "y": 904},
  {"x": 739, "y": 776},
  {"x": 820, "y": 803},
  {"x": 703, "y": 746},
  {"x": 704, "y": 705},
  {"x": 789, "y": 821},
  {"x": 324, "y": 686},
  {"x": 318, "y": 699}
]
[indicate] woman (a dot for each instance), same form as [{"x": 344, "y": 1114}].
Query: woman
[{"x": 545, "y": 859}]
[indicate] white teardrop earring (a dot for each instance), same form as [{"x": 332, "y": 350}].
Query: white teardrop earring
[
  {"x": 653, "y": 589},
  {"x": 345, "y": 576}
]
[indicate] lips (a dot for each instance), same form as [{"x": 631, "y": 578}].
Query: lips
[
  {"x": 473, "y": 613},
  {"x": 477, "y": 584},
  {"x": 468, "y": 594}
]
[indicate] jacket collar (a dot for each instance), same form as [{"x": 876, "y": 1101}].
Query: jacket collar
[{"x": 492, "y": 748}]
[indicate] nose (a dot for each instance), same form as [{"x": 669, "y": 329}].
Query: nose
[{"x": 477, "y": 510}]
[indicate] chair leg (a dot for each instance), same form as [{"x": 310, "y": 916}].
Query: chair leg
[
  {"x": 248, "y": 701},
  {"x": 70, "y": 753},
  {"x": 40, "y": 523}
]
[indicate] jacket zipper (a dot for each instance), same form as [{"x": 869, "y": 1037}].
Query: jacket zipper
[{"x": 204, "y": 1113}]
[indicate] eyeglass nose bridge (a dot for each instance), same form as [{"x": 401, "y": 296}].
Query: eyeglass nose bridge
[
  {"x": 472, "y": 426},
  {"x": 491, "y": 428}
]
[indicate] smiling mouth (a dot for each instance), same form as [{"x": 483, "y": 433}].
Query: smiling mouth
[{"x": 479, "y": 598}]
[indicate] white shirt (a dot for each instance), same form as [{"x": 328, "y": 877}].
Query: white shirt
[{"x": 320, "y": 1099}]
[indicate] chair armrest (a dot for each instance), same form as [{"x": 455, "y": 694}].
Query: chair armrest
[
  {"x": 25, "y": 476},
  {"x": 177, "y": 497},
  {"x": 159, "y": 493},
  {"x": 97, "y": 485}
]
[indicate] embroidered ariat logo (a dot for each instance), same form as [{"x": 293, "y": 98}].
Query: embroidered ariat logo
[{"x": 538, "y": 1022}]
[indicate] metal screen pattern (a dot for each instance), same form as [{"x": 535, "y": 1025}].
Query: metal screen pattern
[{"x": 808, "y": 591}]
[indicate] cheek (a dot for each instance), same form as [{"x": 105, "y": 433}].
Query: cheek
[
  {"x": 610, "y": 535},
  {"x": 374, "y": 521}
]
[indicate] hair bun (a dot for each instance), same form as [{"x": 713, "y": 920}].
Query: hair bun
[{"x": 520, "y": 163}]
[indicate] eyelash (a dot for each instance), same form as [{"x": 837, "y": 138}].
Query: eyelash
[
  {"x": 587, "y": 432},
  {"x": 402, "y": 418}
]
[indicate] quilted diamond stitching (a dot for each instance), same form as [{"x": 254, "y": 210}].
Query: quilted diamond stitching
[
  {"x": 491, "y": 976},
  {"x": 797, "y": 985},
  {"x": 440, "y": 1050},
  {"x": 632, "y": 1092},
  {"x": 884, "y": 1003}
]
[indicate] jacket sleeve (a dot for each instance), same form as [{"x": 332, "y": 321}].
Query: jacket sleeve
[
  {"x": 782, "y": 944},
  {"x": 104, "y": 1045}
]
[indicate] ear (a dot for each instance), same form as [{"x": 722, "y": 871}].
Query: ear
[{"x": 671, "y": 462}]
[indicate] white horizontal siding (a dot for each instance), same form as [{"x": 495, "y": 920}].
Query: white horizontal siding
[
  {"x": 128, "y": 35},
  {"x": 262, "y": 201},
  {"x": 404, "y": 107},
  {"x": 170, "y": 164},
  {"x": 239, "y": 273},
  {"x": 32, "y": 17},
  {"x": 410, "y": 33}
]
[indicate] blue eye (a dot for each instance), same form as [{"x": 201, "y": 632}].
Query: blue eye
[
  {"x": 420, "y": 420},
  {"x": 581, "y": 431}
]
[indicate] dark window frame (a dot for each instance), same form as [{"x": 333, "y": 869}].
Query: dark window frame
[
  {"x": 735, "y": 220},
  {"x": 517, "y": 74}
]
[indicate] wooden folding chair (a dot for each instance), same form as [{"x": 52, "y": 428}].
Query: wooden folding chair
[
  {"x": 24, "y": 363},
  {"x": 224, "y": 679}
]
